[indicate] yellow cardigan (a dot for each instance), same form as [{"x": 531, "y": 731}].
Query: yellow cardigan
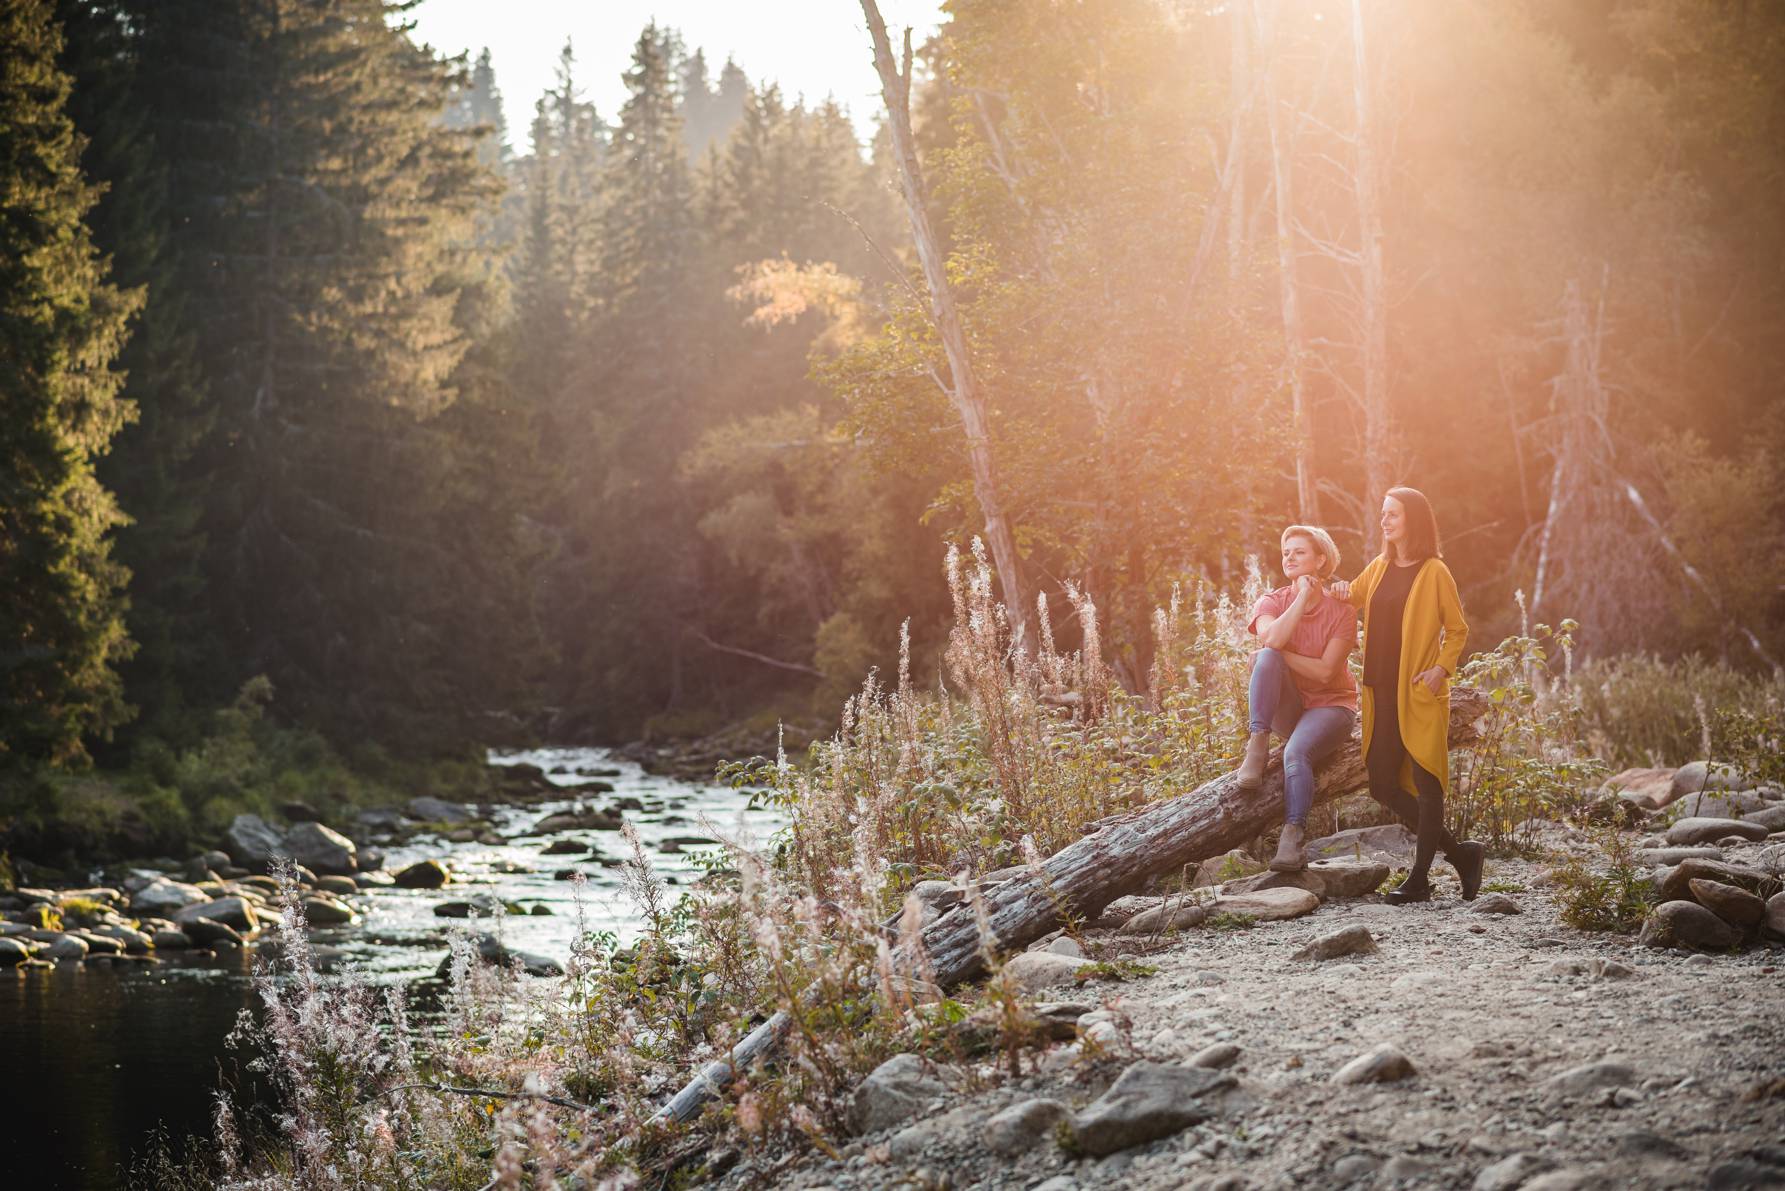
[{"x": 1433, "y": 633}]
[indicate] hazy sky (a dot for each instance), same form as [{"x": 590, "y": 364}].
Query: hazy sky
[{"x": 815, "y": 47}]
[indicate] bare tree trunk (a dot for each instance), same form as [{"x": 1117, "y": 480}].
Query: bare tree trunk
[
  {"x": 1283, "y": 181},
  {"x": 1375, "y": 307},
  {"x": 1118, "y": 856},
  {"x": 963, "y": 389}
]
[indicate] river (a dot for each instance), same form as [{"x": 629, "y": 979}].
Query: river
[{"x": 96, "y": 1060}]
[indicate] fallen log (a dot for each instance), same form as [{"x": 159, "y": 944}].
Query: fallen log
[{"x": 1119, "y": 857}]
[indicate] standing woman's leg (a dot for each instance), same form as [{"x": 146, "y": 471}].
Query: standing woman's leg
[{"x": 1383, "y": 764}]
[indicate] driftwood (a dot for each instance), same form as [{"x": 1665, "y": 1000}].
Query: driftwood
[{"x": 1117, "y": 858}]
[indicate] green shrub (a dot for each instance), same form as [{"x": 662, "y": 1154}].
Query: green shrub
[
  {"x": 1641, "y": 710},
  {"x": 1609, "y": 893}
]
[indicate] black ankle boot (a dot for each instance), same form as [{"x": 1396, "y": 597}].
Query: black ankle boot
[
  {"x": 1408, "y": 892},
  {"x": 1468, "y": 862}
]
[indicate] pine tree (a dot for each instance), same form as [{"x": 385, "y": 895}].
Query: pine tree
[{"x": 61, "y": 327}]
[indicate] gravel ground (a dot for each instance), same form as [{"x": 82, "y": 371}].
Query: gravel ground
[{"x": 1678, "y": 1063}]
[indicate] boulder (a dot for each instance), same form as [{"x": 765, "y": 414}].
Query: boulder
[
  {"x": 1695, "y": 776},
  {"x": 1229, "y": 866},
  {"x": 1650, "y": 789},
  {"x": 1147, "y": 1102},
  {"x": 423, "y": 874},
  {"x": 235, "y": 912},
  {"x": 1391, "y": 842},
  {"x": 1023, "y": 1127},
  {"x": 68, "y": 947},
  {"x": 1725, "y": 804},
  {"x": 438, "y": 810},
  {"x": 1381, "y": 1064},
  {"x": 1775, "y": 915},
  {"x": 251, "y": 843},
  {"x": 1350, "y": 940},
  {"x": 1687, "y": 924},
  {"x": 162, "y": 897},
  {"x": 1267, "y": 905},
  {"x": 1709, "y": 831},
  {"x": 326, "y": 911},
  {"x": 896, "y": 1090},
  {"x": 321, "y": 849},
  {"x": 1349, "y": 878},
  {"x": 1735, "y": 906},
  {"x": 1677, "y": 884},
  {"x": 205, "y": 932},
  {"x": 1033, "y": 971}
]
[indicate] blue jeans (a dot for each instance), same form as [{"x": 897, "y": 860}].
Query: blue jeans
[{"x": 1275, "y": 705}]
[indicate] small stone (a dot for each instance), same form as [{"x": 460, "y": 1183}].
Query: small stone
[
  {"x": 235, "y": 912},
  {"x": 1355, "y": 1166},
  {"x": 1267, "y": 905},
  {"x": 1229, "y": 866},
  {"x": 1707, "y": 830},
  {"x": 14, "y": 951},
  {"x": 326, "y": 911},
  {"x": 1174, "y": 914},
  {"x": 1640, "y": 1143},
  {"x": 208, "y": 933},
  {"x": 1215, "y": 1057},
  {"x": 1569, "y": 1178},
  {"x": 439, "y": 810},
  {"x": 1148, "y": 1101},
  {"x": 1590, "y": 1077},
  {"x": 1065, "y": 945},
  {"x": 1686, "y": 924},
  {"x": 338, "y": 885},
  {"x": 1023, "y": 1127},
  {"x": 1512, "y": 1172},
  {"x": 1496, "y": 903},
  {"x": 1350, "y": 940},
  {"x": 1735, "y": 906},
  {"x": 1382, "y": 1064},
  {"x": 171, "y": 940},
  {"x": 162, "y": 897}
]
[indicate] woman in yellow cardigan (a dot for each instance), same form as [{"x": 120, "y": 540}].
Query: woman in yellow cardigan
[{"x": 1414, "y": 634}]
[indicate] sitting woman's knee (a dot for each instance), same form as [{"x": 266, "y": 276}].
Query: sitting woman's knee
[{"x": 1267, "y": 656}]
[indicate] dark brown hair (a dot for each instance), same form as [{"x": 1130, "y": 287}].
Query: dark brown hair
[{"x": 1422, "y": 526}]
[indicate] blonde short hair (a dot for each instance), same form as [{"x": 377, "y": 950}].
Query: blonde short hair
[{"x": 1323, "y": 542}]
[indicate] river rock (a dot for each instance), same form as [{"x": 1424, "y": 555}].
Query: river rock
[
  {"x": 1725, "y": 804},
  {"x": 1349, "y": 878},
  {"x": 234, "y": 912},
  {"x": 564, "y": 847},
  {"x": 171, "y": 940},
  {"x": 133, "y": 940},
  {"x": 321, "y": 849},
  {"x": 98, "y": 944},
  {"x": 1172, "y": 914},
  {"x": 251, "y": 843},
  {"x": 1380, "y": 1064},
  {"x": 1229, "y": 866},
  {"x": 1304, "y": 879},
  {"x": 326, "y": 911},
  {"x": 68, "y": 947},
  {"x": 1350, "y": 940},
  {"x": 340, "y": 886},
  {"x": 1687, "y": 924},
  {"x": 14, "y": 951},
  {"x": 1709, "y": 831},
  {"x": 1695, "y": 776},
  {"x": 1148, "y": 1101},
  {"x": 492, "y": 950},
  {"x": 1513, "y": 1171},
  {"x": 1735, "y": 906},
  {"x": 604, "y": 819},
  {"x": 1671, "y": 856},
  {"x": 206, "y": 932},
  {"x": 163, "y": 896},
  {"x": 1033, "y": 971},
  {"x": 423, "y": 874},
  {"x": 1774, "y": 922},
  {"x": 1391, "y": 842},
  {"x": 439, "y": 810},
  {"x": 1496, "y": 903},
  {"x": 1215, "y": 1056},
  {"x": 1650, "y": 789},
  {"x": 1677, "y": 885},
  {"x": 894, "y": 1091},
  {"x": 1065, "y": 945},
  {"x": 487, "y": 905},
  {"x": 1590, "y": 1077},
  {"x": 1023, "y": 1127},
  {"x": 1267, "y": 905}
]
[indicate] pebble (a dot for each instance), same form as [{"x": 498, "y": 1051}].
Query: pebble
[
  {"x": 1496, "y": 903},
  {"x": 1221, "y": 1054},
  {"x": 1381, "y": 1064},
  {"x": 1349, "y": 940},
  {"x": 1148, "y": 1101}
]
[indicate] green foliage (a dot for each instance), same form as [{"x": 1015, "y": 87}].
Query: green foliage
[
  {"x": 1609, "y": 893},
  {"x": 1117, "y": 970},
  {"x": 1527, "y": 763},
  {"x": 1229, "y": 921},
  {"x": 62, "y": 324}
]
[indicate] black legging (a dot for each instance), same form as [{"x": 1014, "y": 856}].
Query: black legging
[{"x": 1424, "y": 814}]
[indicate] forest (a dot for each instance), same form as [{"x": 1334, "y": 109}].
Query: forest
[{"x": 345, "y": 400}]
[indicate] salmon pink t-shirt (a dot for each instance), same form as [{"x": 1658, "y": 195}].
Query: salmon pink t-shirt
[{"x": 1322, "y": 620}]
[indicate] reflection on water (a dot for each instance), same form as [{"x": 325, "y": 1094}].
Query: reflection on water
[{"x": 94, "y": 1060}]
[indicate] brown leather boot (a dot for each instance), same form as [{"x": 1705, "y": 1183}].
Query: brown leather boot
[
  {"x": 1289, "y": 857},
  {"x": 1258, "y": 752}
]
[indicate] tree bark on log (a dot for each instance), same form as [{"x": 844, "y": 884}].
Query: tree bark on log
[{"x": 1117, "y": 857}]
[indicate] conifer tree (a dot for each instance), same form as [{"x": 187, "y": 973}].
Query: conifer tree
[{"x": 61, "y": 327}]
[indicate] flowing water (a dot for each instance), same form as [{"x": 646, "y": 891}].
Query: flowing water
[{"x": 96, "y": 1060}]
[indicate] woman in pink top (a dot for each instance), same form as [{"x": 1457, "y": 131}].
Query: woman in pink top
[{"x": 1301, "y": 685}]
